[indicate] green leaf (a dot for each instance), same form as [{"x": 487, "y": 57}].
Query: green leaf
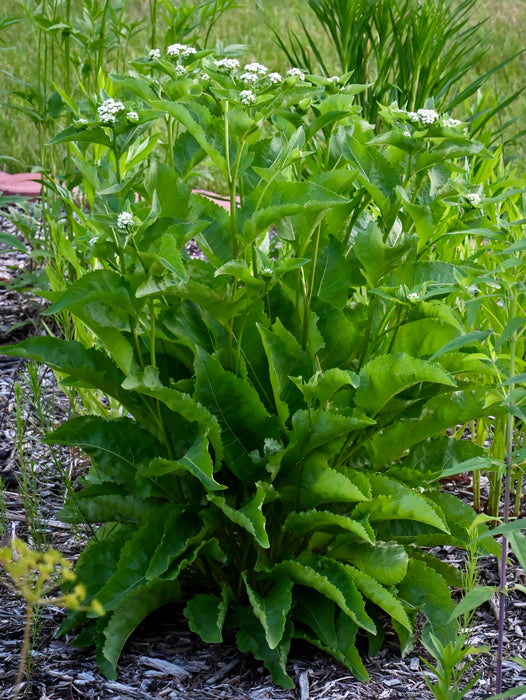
[
  {"x": 313, "y": 482},
  {"x": 435, "y": 417},
  {"x": 90, "y": 366},
  {"x": 388, "y": 375},
  {"x": 196, "y": 461},
  {"x": 384, "y": 561},
  {"x": 475, "y": 337},
  {"x": 181, "y": 112},
  {"x": 473, "y": 600},
  {"x": 250, "y": 516},
  {"x": 134, "y": 560},
  {"x": 334, "y": 632},
  {"x": 332, "y": 579},
  {"x": 242, "y": 417},
  {"x": 181, "y": 532},
  {"x": 251, "y": 637},
  {"x": 118, "y": 446},
  {"x": 310, "y": 521},
  {"x": 518, "y": 545},
  {"x": 334, "y": 274},
  {"x": 106, "y": 503},
  {"x": 519, "y": 690},
  {"x": 239, "y": 270},
  {"x": 395, "y": 501},
  {"x": 206, "y": 615},
  {"x": 377, "y": 258},
  {"x": 271, "y": 609},
  {"x": 285, "y": 358},
  {"x": 132, "y": 610},
  {"x": 324, "y": 385},
  {"x": 323, "y": 430},
  {"x": 149, "y": 384},
  {"x": 13, "y": 242},
  {"x": 286, "y": 199},
  {"x": 426, "y": 590},
  {"x": 103, "y": 286},
  {"x": 373, "y": 590}
]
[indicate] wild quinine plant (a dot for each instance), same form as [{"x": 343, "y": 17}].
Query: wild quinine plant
[{"x": 278, "y": 406}]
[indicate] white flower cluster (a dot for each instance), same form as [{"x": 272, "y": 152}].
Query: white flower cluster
[
  {"x": 154, "y": 53},
  {"x": 249, "y": 78},
  {"x": 108, "y": 111},
  {"x": 474, "y": 198},
  {"x": 227, "y": 64},
  {"x": 275, "y": 78},
  {"x": 257, "y": 68},
  {"x": 180, "y": 50},
  {"x": 247, "y": 97},
  {"x": 333, "y": 79},
  {"x": 204, "y": 76},
  {"x": 180, "y": 70},
  {"x": 449, "y": 122},
  {"x": 132, "y": 117},
  {"x": 296, "y": 73},
  {"x": 424, "y": 116},
  {"x": 125, "y": 221}
]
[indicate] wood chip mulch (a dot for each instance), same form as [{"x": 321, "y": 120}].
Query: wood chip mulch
[{"x": 163, "y": 660}]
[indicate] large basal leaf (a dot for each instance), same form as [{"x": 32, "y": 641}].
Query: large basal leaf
[
  {"x": 426, "y": 590},
  {"x": 95, "y": 566},
  {"x": 395, "y": 501},
  {"x": 381, "y": 596},
  {"x": 117, "y": 446},
  {"x": 384, "y": 561},
  {"x": 386, "y": 376},
  {"x": 332, "y": 579},
  {"x": 244, "y": 420},
  {"x": 182, "y": 531},
  {"x": 196, "y": 461},
  {"x": 438, "y": 414},
  {"x": 272, "y": 609},
  {"x": 313, "y": 482},
  {"x": 149, "y": 384},
  {"x": 250, "y": 516},
  {"x": 251, "y": 637},
  {"x": 131, "y": 611},
  {"x": 322, "y": 429},
  {"x": 311, "y": 521},
  {"x": 74, "y": 360},
  {"x": 332, "y": 630},
  {"x": 106, "y": 503},
  {"x": 134, "y": 559},
  {"x": 206, "y": 615}
]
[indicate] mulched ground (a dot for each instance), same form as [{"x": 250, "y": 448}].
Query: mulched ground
[{"x": 163, "y": 659}]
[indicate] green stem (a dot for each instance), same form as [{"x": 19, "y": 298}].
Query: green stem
[
  {"x": 24, "y": 651},
  {"x": 116, "y": 156},
  {"x": 367, "y": 335},
  {"x": 310, "y": 290}
]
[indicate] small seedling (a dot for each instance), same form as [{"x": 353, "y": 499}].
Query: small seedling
[{"x": 35, "y": 577}]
